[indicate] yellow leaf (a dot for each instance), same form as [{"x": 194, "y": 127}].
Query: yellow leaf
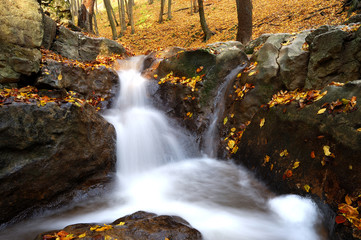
[
  {"x": 232, "y": 115},
  {"x": 235, "y": 149},
  {"x": 239, "y": 75},
  {"x": 358, "y": 130},
  {"x": 77, "y": 104},
  {"x": 95, "y": 227},
  {"x": 231, "y": 143},
  {"x": 271, "y": 167},
  {"x": 233, "y": 129},
  {"x": 107, "y": 237},
  {"x": 307, "y": 188},
  {"x": 166, "y": 238},
  {"x": 225, "y": 120},
  {"x": 252, "y": 73},
  {"x": 121, "y": 224},
  {"x": 266, "y": 158},
  {"x": 60, "y": 77},
  {"x": 155, "y": 76},
  {"x": 82, "y": 235},
  {"x": 322, "y": 110},
  {"x": 296, "y": 164},
  {"x": 284, "y": 153},
  {"x": 326, "y": 150},
  {"x": 262, "y": 122},
  {"x": 102, "y": 229},
  {"x": 348, "y": 200}
]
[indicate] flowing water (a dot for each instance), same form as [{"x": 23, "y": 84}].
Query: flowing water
[{"x": 158, "y": 172}]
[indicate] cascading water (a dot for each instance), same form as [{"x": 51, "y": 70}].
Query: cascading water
[{"x": 221, "y": 200}]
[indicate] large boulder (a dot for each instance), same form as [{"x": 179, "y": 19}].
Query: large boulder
[
  {"x": 139, "y": 225},
  {"x": 48, "y": 152},
  {"x": 21, "y": 33},
  {"x": 58, "y": 10},
  {"x": 211, "y": 65},
  {"x": 75, "y": 45},
  {"x": 302, "y": 151},
  {"x": 89, "y": 82}
]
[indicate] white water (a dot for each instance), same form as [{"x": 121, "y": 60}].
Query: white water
[{"x": 155, "y": 173}]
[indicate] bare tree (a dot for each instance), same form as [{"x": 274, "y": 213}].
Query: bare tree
[
  {"x": 169, "y": 9},
  {"x": 202, "y": 18},
  {"x": 162, "y": 3},
  {"x": 244, "y": 15},
  {"x": 150, "y": 2},
  {"x": 131, "y": 17},
  {"x": 85, "y": 18},
  {"x": 108, "y": 7},
  {"x": 123, "y": 26}
]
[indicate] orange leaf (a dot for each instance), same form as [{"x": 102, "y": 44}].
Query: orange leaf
[
  {"x": 340, "y": 219},
  {"x": 313, "y": 154},
  {"x": 348, "y": 200}
]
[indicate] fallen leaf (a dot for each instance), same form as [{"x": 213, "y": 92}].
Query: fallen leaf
[
  {"x": 231, "y": 143},
  {"x": 60, "y": 77},
  {"x": 358, "y": 130},
  {"x": 262, "y": 122},
  {"x": 239, "y": 75},
  {"x": 289, "y": 173},
  {"x": 313, "y": 154},
  {"x": 326, "y": 150},
  {"x": 307, "y": 187},
  {"x": 348, "y": 200},
  {"x": 82, "y": 235},
  {"x": 340, "y": 219},
  {"x": 225, "y": 120},
  {"x": 121, "y": 224},
  {"x": 284, "y": 153},
  {"x": 322, "y": 110},
  {"x": 266, "y": 158},
  {"x": 296, "y": 165},
  {"x": 235, "y": 149}
]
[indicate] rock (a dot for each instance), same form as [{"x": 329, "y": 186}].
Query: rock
[
  {"x": 307, "y": 137},
  {"x": 58, "y": 10},
  {"x": 354, "y": 19},
  {"x": 48, "y": 152},
  {"x": 249, "y": 49},
  {"x": 75, "y": 45},
  {"x": 21, "y": 34},
  {"x": 334, "y": 56},
  {"x": 49, "y": 32},
  {"x": 139, "y": 225},
  {"x": 216, "y": 61},
  {"x": 293, "y": 62},
  {"x": 89, "y": 82}
]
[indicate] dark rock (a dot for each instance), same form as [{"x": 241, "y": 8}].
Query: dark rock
[
  {"x": 89, "y": 82},
  {"x": 354, "y": 19},
  {"x": 20, "y": 39},
  {"x": 249, "y": 49},
  {"x": 139, "y": 225},
  {"x": 49, "y": 31},
  {"x": 301, "y": 132},
  {"x": 48, "y": 152},
  {"x": 75, "y": 45}
]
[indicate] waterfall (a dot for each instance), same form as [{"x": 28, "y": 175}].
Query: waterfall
[{"x": 223, "y": 201}]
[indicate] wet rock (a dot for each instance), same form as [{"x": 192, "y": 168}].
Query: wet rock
[
  {"x": 75, "y": 45},
  {"x": 21, "y": 34},
  {"x": 139, "y": 225},
  {"x": 48, "y": 152},
  {"x": 88, "y": 82},
  {"x": 216, "y": 61},
  {"x": 249, "y": 48},
  {"x": 307, "y": 168}
]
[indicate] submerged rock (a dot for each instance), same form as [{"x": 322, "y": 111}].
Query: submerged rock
[
  {"x": 48, "y": 152},
  {"x": 139, "y": 225}
]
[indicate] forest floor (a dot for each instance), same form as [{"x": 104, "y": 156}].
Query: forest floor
[{"x": 184, "y": 30}]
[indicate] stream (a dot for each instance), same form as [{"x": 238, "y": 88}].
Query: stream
[{"x": 160, "y": 170}]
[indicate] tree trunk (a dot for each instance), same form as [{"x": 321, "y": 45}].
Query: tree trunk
[
  {"x": 191, "y": 7},
  {"x": 162, "y": 2},
  {"x": 123, "y": 26},
  {"x": 115, "y": 17},
  {"x": 96, "y": 26},
  {"x": 85, "y": 18},
  {"x": 202, "y": 18},
  {"x": 108, "y": 7},
  {"x": 244, "y": 15},
  {"x": 150, "y": 2},
  {"x": 169, "y": 9},
  {"x": 131, "y": 17},
  {"x": 195, "y": 7}
]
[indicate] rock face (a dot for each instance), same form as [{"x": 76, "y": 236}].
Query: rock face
[
  {"x": 89, "y": 82},
  {"x": 48, "y": 151},
  {"x": 21, "y": 33},
  {"x": 212, "y": 64},
  {"x": 57, "y": 9},
  {"x": 139, "y": 225},
  {"x": 75, "y": 45}
]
